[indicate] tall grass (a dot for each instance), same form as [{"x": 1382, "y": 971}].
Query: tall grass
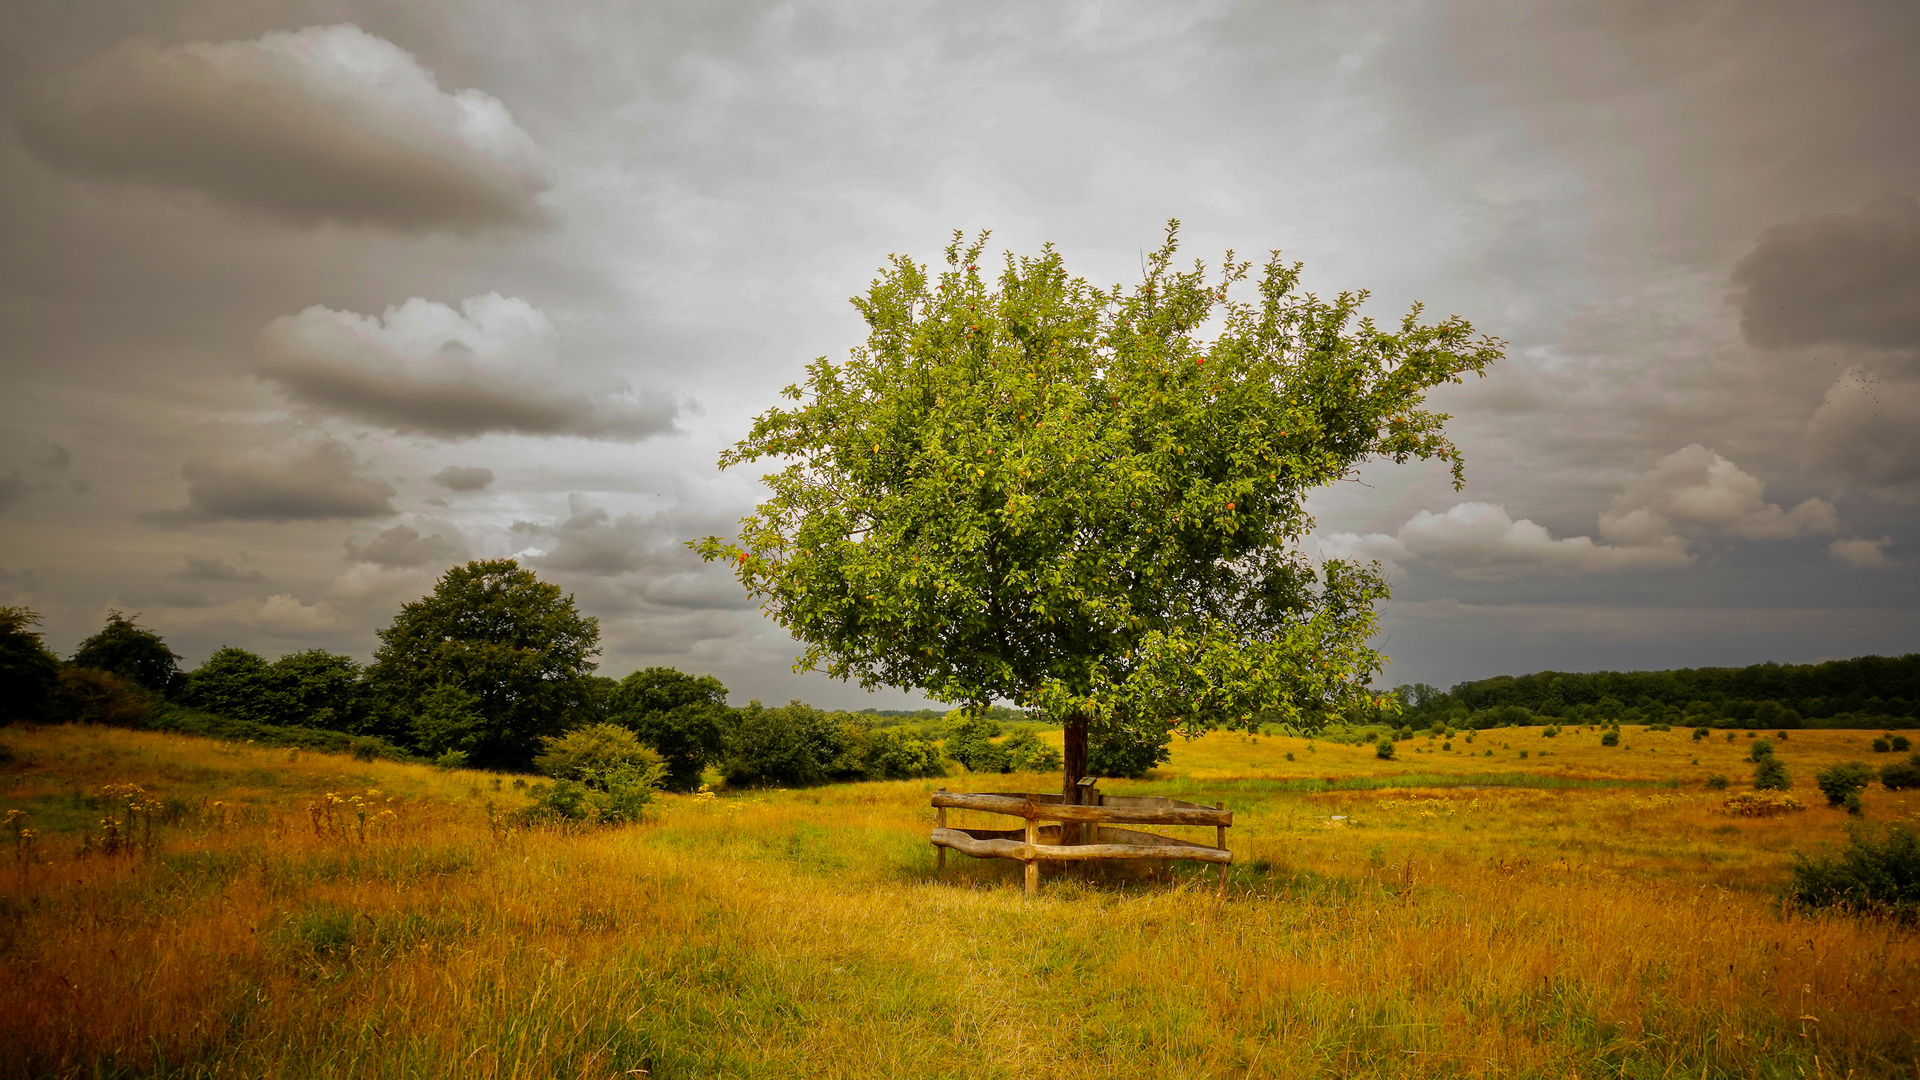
[{"x": 1513, "y": 930}]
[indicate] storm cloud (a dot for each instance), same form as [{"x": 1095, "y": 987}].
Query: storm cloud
[
  {"x": 326, "y": 123},
  {"x": 1847, "y": 278},
  {"x": 464, "y": 478},
  {"x": 492, "y": 366},
  {"x": 318, "y": 482},
  {"x": 402, "y": 547}
]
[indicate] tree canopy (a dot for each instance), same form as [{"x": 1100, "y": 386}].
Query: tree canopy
[
  {"x": 683, "y": 717},
  {"x": 29, "y": 672},
  {"x": 488, "y": 663},
  {"x": 1089, "y": 501},
  {"x": 133, "y": 652}
]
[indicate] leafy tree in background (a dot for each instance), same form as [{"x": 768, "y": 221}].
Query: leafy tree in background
[
  {"x": 314, "y": 688},
  {"x": 683, "y": 717},
  {"x": 29, "y": 671},
  {"x": 133, "y": 652},
  {"x": 1034, "y": 490},
  {"x": 487, "y": 664}
]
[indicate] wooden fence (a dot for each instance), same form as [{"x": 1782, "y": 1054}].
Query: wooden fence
[{"x": 1095, "y": 816}]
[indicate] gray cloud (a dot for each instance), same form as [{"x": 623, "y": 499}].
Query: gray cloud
[
  {"x": 321, "y": 124},
  {"x": 53, "y": 456},
  {"x": 198, "y": 568},
  {"x": 464, "y": 478},
  {"x": 1867, "y": 428},
  {"x": 1848, "y": 278},
  {"x": 425, "y": 368},
  {"x": 593, "y": 541},
  {"x": 319, "y": 482},
  {"x": 13, "y": 490},
  {"x": 401, "y": 547}
]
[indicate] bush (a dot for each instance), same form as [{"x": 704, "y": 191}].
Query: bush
[
  {"x": 189, "y": 721},
  {"x": 1610, "y": 737},
  {"x": 1771, "y": 775},
  {"x": 591, "y": 751},
  {"x": 1836, "y": 782},
  {"x": 795, "y": 744},
  {"x": 970, "y": 743},
  {"x": 1899, "y": 743},
  {"x": 1901, "y": 774},
  {"x": 1873, "y": 876},
  {"x": 1384, "y": 750},
  {"x": 1129, "y": 755},
  {"x": 1716, "y": 782},
  {"x": 1881, "y": 745},
  {"x": 1761, "y": 750},
  {"x": 1701, "y": 733},
  {"x": 899, "y": 756},
  {"x": 29, "y": 672},
  {"x": 1762, "y": 804},
  {"x": 611, "y": 796},
  {"x": 1026, "y": 753},
  {"x": 94, "y": 696}
]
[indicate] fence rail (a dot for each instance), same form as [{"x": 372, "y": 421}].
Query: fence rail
[{"x": 1092, "y": 820}]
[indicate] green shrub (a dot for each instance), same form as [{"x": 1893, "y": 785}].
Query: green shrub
[
  {"x": 795, "y": 744},
  {"x": 1881, "y": 745},
  {"x": 1873, "y": 876},
  {"x": 1026, "y": 753},
  {"x": 94, "y": 696},
  {"x": 610, "y": 796},
  {"x": 1901, "y": 774},
  {"x": 1610, "y": 737},
  {"x": 1899, "y": 743},
  {"x": 1837, "y": 782},
  {"x": 1384, "y": 750},
  {"x": 452, "y": 759},
  {"x": 1551, "y": 731},
  {"x": 1716, "y": 782},
  {"x": 893, "y": 755},
  {"x": 1701, "y": 733},
  {"x": 592, "y": 750},
  {"x": 1771, "y": 775},
  {"x": 1128, "y": 754},
  {"x": 1761, "y": 750}
]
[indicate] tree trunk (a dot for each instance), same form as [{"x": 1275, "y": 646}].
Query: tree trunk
[{"x": 1074, "y": 767}]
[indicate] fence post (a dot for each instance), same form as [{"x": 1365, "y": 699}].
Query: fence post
[
  {"x": 939, "y": 852},
  {"x": 1220, "y": 841},
  {"x": 1033, "y": 864}
]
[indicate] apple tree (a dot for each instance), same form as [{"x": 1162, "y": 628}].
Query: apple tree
[{"x": 1090, "y": 501}]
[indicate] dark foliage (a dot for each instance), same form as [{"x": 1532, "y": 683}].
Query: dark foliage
[
  {"x": 91, "y": 696},
  {"x": 29, "y": 672},
  {"x": 133, "y": 652},
  {"x": 1901, "y": 774},
  {"x": 1836, "y": 782},
  {"x": 1873, "y": 876},
  {"x": 490, "y": 662},
  {"x": 1868, "y": 691},
  {"x": 684, "y": 718}
]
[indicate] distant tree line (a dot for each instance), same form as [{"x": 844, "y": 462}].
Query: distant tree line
[
  {"x": 1865, "y": 692},
  {"x": 493, "y": 669}
]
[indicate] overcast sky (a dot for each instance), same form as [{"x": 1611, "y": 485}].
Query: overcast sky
[{"x": 300, "y": 303}]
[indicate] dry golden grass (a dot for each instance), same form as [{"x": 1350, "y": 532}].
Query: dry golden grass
[{"x": 1392, "y": 930}]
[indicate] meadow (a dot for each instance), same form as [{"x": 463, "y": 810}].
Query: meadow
[{"x": 1580, "y": 911}]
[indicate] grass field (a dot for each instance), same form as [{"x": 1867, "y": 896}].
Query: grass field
[{"x": 1587, "y": 912}]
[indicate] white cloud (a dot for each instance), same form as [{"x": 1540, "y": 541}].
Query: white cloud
[
  {"x": 1690, "y": 494},
  {"x": 1482, "y": 541},
  {"x": 1694, "y": 492},
  {"x": 1861, "y": 554},
  {"x": 327, "y": 123},
  {"x": 492, "y": 366}
]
